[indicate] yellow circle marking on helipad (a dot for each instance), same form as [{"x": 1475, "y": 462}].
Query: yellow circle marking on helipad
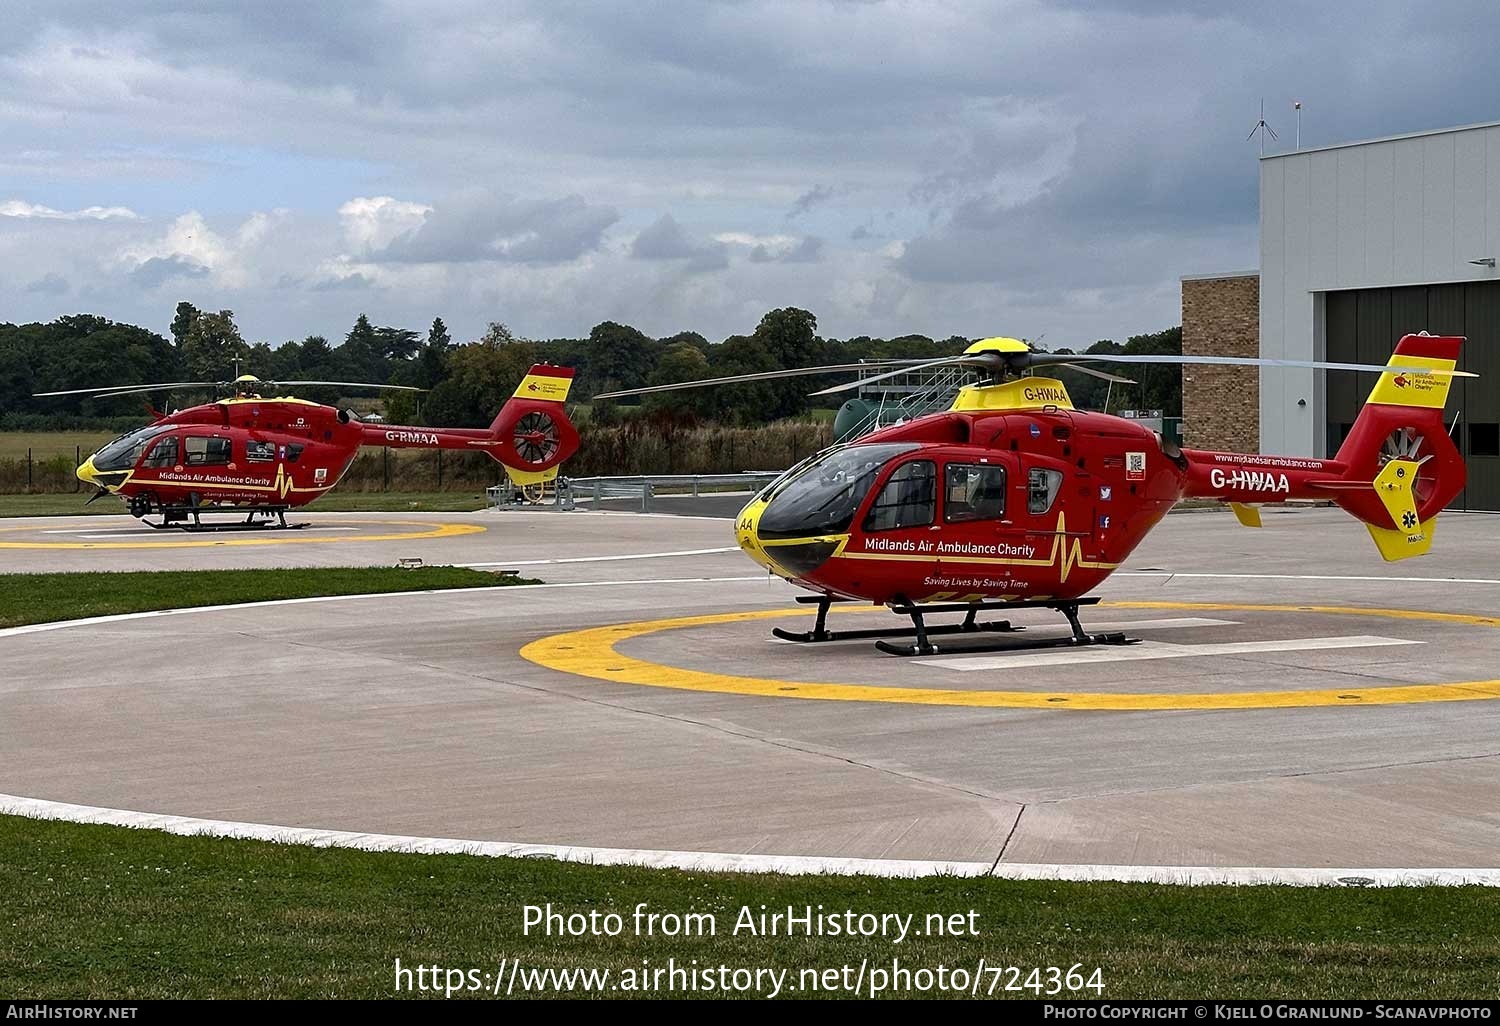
[
  {"x": 591, "y": 653},
  {"x": 277, "y": 537}
]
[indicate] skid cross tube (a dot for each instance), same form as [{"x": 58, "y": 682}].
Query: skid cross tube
[
  {"x": 921, "y": 632},
  {"x": 188, "y": 518},
  {"x": 1068, "y": 608},
  {"x": 970, "y": 624}
]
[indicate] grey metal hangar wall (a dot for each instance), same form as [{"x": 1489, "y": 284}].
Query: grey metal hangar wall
[
  {"x": 1362, "y": 243},
  {"x": 1359, "y": 326}
]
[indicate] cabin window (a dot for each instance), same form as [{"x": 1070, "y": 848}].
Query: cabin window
[
  {"x": 260, "y": 452},
  {"x": 909, "y": 498},
  {"x": 293, "y": 452},
  {"x": 206, "y": 452},
  {"x": 1042, "y": 487},
  {"x": 163, "y": 453},
  {"x": 973, "y": 491}
]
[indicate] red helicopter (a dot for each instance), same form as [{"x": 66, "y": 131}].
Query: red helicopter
[
  {"x": 1013, "y": 498},
  {"x": 261, "y": 456}
]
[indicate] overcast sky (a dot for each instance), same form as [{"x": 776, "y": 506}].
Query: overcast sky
[{"x": 903, "y": 166}]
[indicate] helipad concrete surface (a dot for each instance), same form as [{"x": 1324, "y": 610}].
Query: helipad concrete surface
[
  {"x": 487, "y": 539},
  {"x": 1296, "y": 702}
]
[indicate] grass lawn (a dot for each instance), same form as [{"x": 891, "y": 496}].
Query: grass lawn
[
  {"x": 95, "y": 911},
  {"x": 70, "y": 504},
  {"x": 46, "y": 444},
  {"x": 40, "y": 598}
]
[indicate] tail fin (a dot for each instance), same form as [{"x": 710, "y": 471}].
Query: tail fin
[
  {"x": 532, "y": 430},
  {"x": 1399, "y": 446}
]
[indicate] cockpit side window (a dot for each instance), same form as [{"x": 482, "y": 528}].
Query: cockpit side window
[
  {"x": 909, "y": 498},
  {"x": 163, "y": 453}
]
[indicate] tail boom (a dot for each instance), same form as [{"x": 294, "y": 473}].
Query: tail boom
[
  {"x": 1395, "y": 472},
  {"x": 529, "y": 437}
]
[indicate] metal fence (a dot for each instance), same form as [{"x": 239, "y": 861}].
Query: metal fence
[
  {"x": 639, "y": 490},
  {"x": 46, "y": 470}
]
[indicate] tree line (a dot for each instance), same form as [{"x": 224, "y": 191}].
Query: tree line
[{"x": 465, "y": 384}]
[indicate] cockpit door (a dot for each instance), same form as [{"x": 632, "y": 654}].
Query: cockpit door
[{"x": 163, "y": 454}]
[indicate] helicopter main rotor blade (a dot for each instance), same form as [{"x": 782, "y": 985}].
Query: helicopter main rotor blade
[
  {"x": 345, "y": 384},
  {"x": 795, "y": 372},
  {"x": 113, "y": 390},
  {"x": 1080, "y": 368},
  {"x": 1044, "y": 359},
  {"x": 990, "y": 360}
]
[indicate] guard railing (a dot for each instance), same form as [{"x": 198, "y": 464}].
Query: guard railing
[{"x": 640, "y": 490}]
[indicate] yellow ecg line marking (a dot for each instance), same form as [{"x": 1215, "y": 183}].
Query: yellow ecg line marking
[
  {"x": 592, "y": 653},
  {"x": 1061, "y": 552}
]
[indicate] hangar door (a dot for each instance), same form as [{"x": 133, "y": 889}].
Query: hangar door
[{"x": 1363, "y": 325}]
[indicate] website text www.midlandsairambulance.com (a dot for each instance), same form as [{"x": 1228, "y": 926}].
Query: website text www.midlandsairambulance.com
[{"x": 511, "y": 977}]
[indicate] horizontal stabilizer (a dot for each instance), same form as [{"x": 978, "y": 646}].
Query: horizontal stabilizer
[{"x": 1248, "y": 516}]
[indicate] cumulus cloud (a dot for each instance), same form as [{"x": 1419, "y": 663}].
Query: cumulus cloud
[
  {"x": 343, "y": 283},
  {"x": 51, "y": 284},
  {"x": 804, "y": 251},
  {"x": 776, "y": 248},
  {"x": 191, "y": 247},
  {"x": 374, "y": 222},
  {"x": 156, "y": 271},
  {"x": 20, "y": 208},
  {"x": 477, "y": 225},
  {"x": 665, "y": 239}
]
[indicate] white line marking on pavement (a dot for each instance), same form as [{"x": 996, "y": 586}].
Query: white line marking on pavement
[
  {"x": 96, "y": 621},
  {"x": 603, "y": 559},
  {"x": 723, "y": 862},
  {"x": 1153, "y": 650},
  {"x": 1167, "y": 623},
  {"x": 1307, "y": 577}
]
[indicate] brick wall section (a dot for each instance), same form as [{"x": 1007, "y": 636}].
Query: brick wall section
[{"x": 1221, "y": 405}]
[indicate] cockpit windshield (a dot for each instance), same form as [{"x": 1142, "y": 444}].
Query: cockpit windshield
[
  {"x": 823, "y": 496},
  {"x": 125, "y": 451}
]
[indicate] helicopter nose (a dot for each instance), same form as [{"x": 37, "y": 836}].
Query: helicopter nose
[
  {"x": 87, "y": 473},
  {"x": 785, "y": 557},
  {"x": 747, "y": 534}
]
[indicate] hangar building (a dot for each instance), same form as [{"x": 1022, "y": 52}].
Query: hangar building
[{"x": 1359, "y": 244}]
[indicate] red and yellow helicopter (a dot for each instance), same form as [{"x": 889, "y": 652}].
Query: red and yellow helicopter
[
  {"x": 261, "y": 456},
  {"x": 1013, "y": 498}
]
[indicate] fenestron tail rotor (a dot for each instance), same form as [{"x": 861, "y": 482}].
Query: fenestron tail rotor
[
  {"x": 1403, "y": 444},
  {"x": 536, "y": 437}
]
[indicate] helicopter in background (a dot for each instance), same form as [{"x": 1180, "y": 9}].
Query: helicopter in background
[{"x": 259, "y": 456}]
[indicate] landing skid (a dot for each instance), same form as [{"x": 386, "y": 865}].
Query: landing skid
[
  {"x": 189, "y": 518},
  {"x": 920, "y": 631}
]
